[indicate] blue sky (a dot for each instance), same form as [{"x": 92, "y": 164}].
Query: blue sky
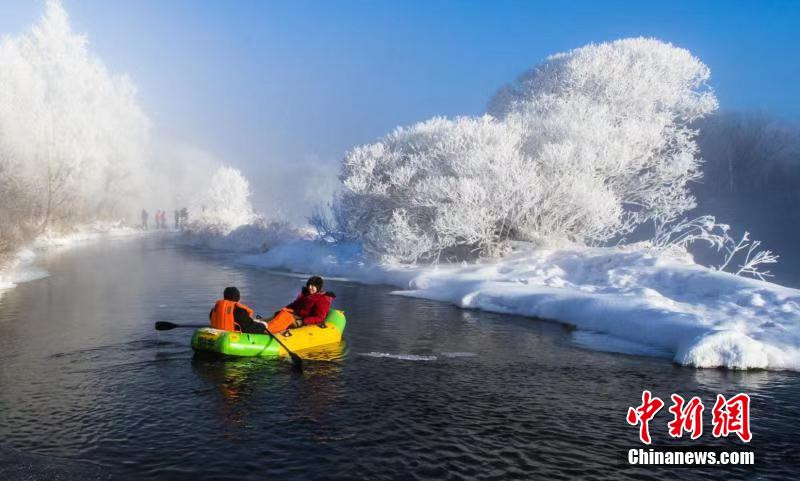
[{"x": 260, "y": 83}]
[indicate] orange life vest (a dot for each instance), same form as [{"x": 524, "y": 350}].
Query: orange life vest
[
  {"x": 222, "y": 316},
  {"x": 282, "y": 320}
]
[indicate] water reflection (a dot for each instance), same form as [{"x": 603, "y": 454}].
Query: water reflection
[
  {"x": 723, "y": 380},
  {"x": 329, "y": 356},
  {"x": 233, "y": 381},
  {"x": 240, "y": 385}
]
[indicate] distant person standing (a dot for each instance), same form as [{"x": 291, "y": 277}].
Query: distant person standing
[
  {"x": 177, "y": 219},
  {"x": 144, "y": 219},
  {"x": 184, "y": 217}
]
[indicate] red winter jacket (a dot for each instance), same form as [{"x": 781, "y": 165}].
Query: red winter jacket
[{"x": 313, "y": 308}]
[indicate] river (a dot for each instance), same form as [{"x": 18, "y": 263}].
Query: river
[{"x": 418, "y": 389}]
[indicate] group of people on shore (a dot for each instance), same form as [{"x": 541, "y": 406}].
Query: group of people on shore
[
  {"x": 160, "y": 217},
  {"x": 310, "y": 307}
]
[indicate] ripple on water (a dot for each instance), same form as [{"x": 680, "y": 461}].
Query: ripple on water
[{"x": 402, "y": 357}]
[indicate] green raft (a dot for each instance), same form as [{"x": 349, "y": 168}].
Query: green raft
[{"x": 207, "y": 339}]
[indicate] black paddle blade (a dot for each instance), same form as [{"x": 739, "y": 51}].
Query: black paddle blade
[
  {"x": 297, "y": 363},
  {"x": 165, "y": 326}
]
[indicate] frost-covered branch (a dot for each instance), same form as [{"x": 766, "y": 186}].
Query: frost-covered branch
[
  {"x": 687, "y": 231},
  {"x": 753, "y": 261},
  {"x": 706, "y": 230}
]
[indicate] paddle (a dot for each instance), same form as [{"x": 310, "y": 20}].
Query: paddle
[
  {"x": 166, "y": 325},
  {"x": 297, "y": 363}
]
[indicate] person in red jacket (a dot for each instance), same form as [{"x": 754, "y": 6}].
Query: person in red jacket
[{"x": 310, "y": 307}]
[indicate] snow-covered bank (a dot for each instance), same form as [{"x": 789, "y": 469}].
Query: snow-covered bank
[
  {"x": 84, "y": 233},
  {"x": 256, "y": 237},
  {"x": 660, "y": 301},
  {"x": 20, "y": 270}
]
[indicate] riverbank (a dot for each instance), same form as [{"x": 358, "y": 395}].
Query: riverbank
[
  {"x": 628, "y": 299},
  {"x": 19, "y": 269}
]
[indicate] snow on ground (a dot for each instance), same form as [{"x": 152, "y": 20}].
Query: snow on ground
[
  {"x": 21, "y": 270},
  {"x": 629, "y": 299},
  {"x": 84, "y": 233}
]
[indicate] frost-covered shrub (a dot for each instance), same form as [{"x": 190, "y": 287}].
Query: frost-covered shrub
[
  {"x": 619, "y": 112},
  {"x": 584, "y": 148},
  {"x": 258, "y": 236},
  {"x": 433, "y": 187},
  {"x": 706, "y": 230},
  {"x": 226, "y": 203},
  {"x": 227, "y": 221}
]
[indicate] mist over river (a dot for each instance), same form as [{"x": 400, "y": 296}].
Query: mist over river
[{"x": 418, "y": 389}]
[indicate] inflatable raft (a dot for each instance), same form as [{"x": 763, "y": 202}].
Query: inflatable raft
[{"x": 207, "y": 339}]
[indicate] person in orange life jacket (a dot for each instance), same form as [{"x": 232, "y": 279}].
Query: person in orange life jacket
[
  {"x": 229, "y": 314},
  {"x": 310, "y": 307}
]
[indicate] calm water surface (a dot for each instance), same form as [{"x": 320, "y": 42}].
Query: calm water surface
[{"x": 89, "y": 391}]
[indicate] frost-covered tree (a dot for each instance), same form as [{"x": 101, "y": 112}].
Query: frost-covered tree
[
  {"x": 19, "y": 213},
  {"x": 434, "y": 187},
  {"x": 226, "y": 204},
  {"x": 619, "y": 113},
  {"x": 225, "y": 219},
  {"x": 67, "y": 125},
  {"x": 583, "y": 148}
]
